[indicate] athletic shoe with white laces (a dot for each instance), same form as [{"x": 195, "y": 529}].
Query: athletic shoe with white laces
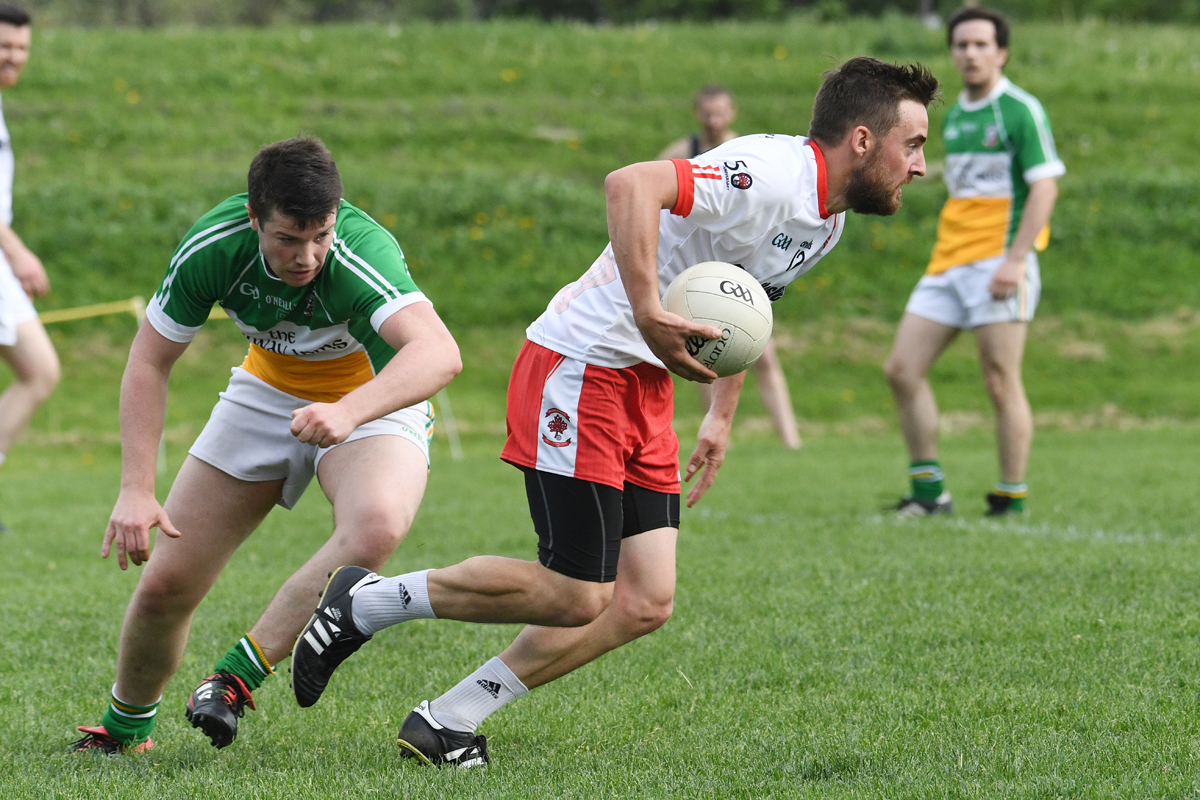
[
  {"x": 911, "y": 507},
  {"x": 330, "y": 637},
  {"x": 98, "y": 740},
  {"x": 423, "y": 738}
]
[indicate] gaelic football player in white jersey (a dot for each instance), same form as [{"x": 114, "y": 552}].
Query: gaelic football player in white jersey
[
  {"x": 1001, "y": 170},
  {"x": 345, "y": 352},
  {"x": 590, "y": 403},
  {"x": 24, "y": 345}
]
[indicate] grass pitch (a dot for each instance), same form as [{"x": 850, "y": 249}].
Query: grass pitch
[{"x": 818, "y": 648}]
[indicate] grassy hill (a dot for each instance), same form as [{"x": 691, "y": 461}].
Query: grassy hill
[{"x": 483, "y": 147}]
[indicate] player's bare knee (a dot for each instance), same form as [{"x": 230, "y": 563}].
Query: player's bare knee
[
  {"x": 43, "y": 381},
  {"x": 165, "y": 595},
  {"x": 582, "y": 604},
  {"x": 374, "y": 537},
  {"x": 1001, "y": 383},
  {"x": 647, "y": 614},
  {"x": 900, "y": 377}
]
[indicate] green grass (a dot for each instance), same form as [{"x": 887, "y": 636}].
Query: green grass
[
  {"x": 818, "y": 649},
  {"x": 484, "y": 147}
]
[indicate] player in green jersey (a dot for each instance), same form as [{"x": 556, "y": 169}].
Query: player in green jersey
[
  {"x": 344, "y": 354},
  {"x": 1001, "y": 170}
]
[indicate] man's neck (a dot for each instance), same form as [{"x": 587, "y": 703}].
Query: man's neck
[{"x": 977, "y": 92}]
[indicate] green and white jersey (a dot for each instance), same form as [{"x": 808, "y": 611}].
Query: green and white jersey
[
  {"x": 317, "y": 342},
  {"x": 995, "y": 148}
]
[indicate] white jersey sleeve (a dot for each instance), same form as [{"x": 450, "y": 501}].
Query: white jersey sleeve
[{"x": 741, "y": 189}]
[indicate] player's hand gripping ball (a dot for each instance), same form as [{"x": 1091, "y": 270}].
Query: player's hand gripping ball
[{"x": 726, "y": 297}]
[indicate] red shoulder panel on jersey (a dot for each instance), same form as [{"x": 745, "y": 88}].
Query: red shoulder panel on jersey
[
  {"x": 687, "y": 187},
  {"x": 822, "y": 189}
]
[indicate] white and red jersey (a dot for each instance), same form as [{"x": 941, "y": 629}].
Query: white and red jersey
[{"x": 756, "y": 201}]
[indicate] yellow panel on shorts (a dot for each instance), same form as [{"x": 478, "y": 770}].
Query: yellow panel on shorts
[{"x": 319, "y": 381}]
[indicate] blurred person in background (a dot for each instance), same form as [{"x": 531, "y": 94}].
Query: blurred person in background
[
  {"x": 1001, "y": 170},
  {"x": 24, "y": 345},
  {"x": 716, "y": 110}
]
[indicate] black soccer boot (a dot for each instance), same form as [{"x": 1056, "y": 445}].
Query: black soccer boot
[
  {"x": 330, "y": 637},
  {"x": 1000, "y": 505},
  {"x": 216, "y": 706},
  {"x": 422, "y": 738}
]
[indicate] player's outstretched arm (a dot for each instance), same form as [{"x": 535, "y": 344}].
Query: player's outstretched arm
[
  {"x": 143, "y": 408},
  {"x": 426, "y": 359},
  {"x": 636, "y": 195},
  {"x": 713, "y": 438}
]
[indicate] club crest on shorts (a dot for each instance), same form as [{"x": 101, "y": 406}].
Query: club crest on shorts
[{"x": 556, "y": 424}]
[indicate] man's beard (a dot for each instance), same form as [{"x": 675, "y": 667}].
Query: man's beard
[{"x": 870, "y": 192}]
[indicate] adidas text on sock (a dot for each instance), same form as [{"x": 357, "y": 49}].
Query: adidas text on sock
[
  {"x": 479, "y": 695},
  {"x": 390, "y": 601}
]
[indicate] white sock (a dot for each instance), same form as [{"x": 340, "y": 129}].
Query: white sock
[
  {"x": 483, "y": 692},
  {"x": 392, "y": 600}
]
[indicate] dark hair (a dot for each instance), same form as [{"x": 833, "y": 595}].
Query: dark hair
[
  {"x": 967, "y": 14},
  {"x": 713, "y": 90},
  {"x": 13, "y": 14},
  {"x": 296, "y": 177},
  {"x": 866, "y": 91}
]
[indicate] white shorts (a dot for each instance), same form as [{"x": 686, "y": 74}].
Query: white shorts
[
  {"x": 249, "y": 435},
  {"x": 15, "y": 306},
  {"x": 959, "y": 297}
]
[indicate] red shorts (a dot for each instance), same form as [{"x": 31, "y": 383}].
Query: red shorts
[{"x": 593, "y": 423}]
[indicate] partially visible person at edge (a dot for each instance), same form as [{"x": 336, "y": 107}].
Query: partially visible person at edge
[
  {"x": 590, "y": 404},
  {"x": 345, "y": 352},
  {"x": 716, "y": 110},
  {"x": 1001, "y": 170},
  {"x": 24, "y": 345}
]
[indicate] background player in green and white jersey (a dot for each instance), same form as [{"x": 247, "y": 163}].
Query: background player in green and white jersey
[
  {"x": 1001, "y": 170},
  {"x": 344, "y": 354}
]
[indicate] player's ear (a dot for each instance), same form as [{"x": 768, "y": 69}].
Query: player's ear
[
  {"x": 253, "y": 218},
  {"x": 862, "y": 141}
]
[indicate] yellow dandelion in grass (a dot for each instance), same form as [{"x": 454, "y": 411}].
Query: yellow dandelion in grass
[
  {"x": 848, "y": 396},
  {"x": 390, "y": 220},
  {"x": 481, "y": 218},
  {"x": 525, "y": 222},
  {"x": 133, "y": 97},
  {"x": 509, "y": 75},
  {"x": 119, "y": 85},
  {"x": 780, "y": 53},
  {"x": 475, "y": 233},
  {"x": 573, "y": 143}
]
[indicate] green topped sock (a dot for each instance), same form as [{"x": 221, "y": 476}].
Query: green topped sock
[
  {"x": 1016, "y": 494},
  {"x": 128, "y": 723},
  {"x": 927, "y": 479},
  {"x": 246, "y": 660}
]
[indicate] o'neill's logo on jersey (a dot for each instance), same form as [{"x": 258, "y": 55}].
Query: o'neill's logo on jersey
[{"x": 557, "y": 423}]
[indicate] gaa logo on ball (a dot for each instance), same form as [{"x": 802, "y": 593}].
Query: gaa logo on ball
[{"x": 726, "y": 297}]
